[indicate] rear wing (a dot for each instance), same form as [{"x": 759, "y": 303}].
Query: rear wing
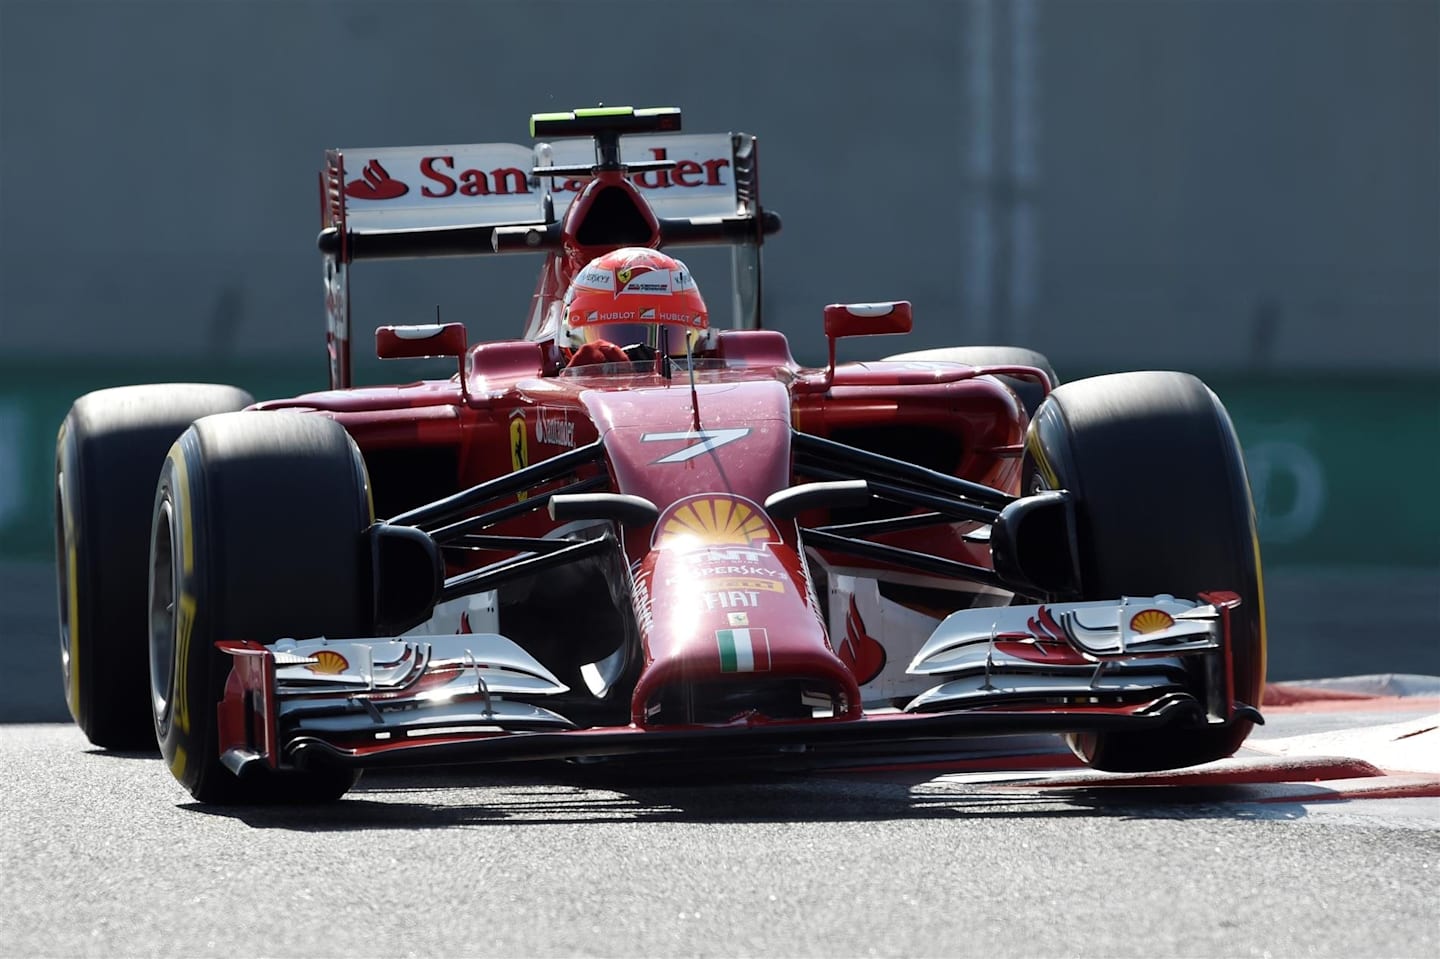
[
  {"x": 491, "y": 198},
  {"x": 396, "y": 202}
]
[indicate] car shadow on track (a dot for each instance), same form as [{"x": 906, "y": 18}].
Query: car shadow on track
[
  {"x": 441, "y": 799},
  {"x": 123, "y": 754}
]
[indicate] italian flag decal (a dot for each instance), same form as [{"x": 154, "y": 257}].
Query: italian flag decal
[{"x": 743, "y": 650}]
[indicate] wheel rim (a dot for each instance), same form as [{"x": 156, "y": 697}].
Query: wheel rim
[{"x": 163, "y": 574}]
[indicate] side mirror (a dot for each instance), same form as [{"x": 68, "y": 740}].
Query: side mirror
[
  {"x": 429, "y": 339},
  {"x": 425, "y": 340},
  {"x": 863, "y": 319},
  {"x": 867, "y": 319}
]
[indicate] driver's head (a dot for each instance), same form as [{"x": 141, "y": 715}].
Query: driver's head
[{"x": 635, "y": 296}]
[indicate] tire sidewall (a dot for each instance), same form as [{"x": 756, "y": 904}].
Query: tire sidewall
[
  {"x": 186, "y": 721},
  {"x": 74, "y": 590}
]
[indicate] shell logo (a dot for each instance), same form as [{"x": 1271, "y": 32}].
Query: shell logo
[
  {"x": 714, "y": 520},
  {"x": 1151, "y": 620},
  {"x": 328, "y": 661}
]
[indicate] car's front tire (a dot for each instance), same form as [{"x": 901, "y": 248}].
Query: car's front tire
[
  {"x": 257, "y": 535},
  {"x": 1163, "y": 506}
]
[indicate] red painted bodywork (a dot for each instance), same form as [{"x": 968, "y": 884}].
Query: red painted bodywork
[{"x": 243, "y": 722}]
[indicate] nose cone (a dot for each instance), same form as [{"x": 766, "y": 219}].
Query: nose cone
[{"x": 729, "y": 623}]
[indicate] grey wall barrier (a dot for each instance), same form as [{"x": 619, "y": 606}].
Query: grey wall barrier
[{"x": 1239, "y": 186}]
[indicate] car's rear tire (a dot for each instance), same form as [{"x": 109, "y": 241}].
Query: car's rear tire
[
  {"x": 1029, "y": 392},
  {"x": 1163, "y": 507},
  {"x": 257, "y": 530},
  {"x": 107, "y": 458}
]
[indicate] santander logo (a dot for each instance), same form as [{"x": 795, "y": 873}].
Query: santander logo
[
  {"x": 375, "y": 183},
  {"x": 437, "y": 177}
]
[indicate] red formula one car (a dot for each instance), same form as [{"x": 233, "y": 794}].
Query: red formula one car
[{"x": 686, "y": 547}]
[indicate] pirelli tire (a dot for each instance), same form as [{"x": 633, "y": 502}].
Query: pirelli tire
[
  {"x": 107, "y": 457},
  {"x": 1029, "y": 392},
  {"x": 1163, "y": 506},
  {"x": 256, "y": 535}
]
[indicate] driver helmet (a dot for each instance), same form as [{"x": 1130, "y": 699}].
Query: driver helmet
[{"x": 635, "y": 297}]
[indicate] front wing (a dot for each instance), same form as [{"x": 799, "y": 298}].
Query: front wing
[{"x": 471, "y": 698}]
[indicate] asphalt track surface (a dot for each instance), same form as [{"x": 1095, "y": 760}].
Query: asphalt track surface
[{"x": 1321, "y": 838}]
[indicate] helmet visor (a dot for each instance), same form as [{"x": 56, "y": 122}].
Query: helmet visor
[{"x": 621, "y": 334}]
